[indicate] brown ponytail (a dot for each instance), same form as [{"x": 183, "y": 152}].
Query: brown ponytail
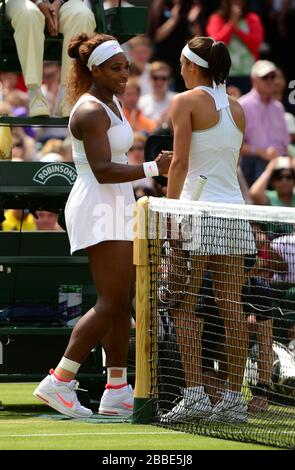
[
  {"x": 216, "y": 54},
  {"x": 219, "y": 62}
]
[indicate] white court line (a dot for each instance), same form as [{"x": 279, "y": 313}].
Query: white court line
[{"x": 90, "y": 434}]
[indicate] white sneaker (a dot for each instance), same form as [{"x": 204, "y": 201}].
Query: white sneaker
[
  {"x": 38, "y": 106},
  {"x": 117, "y": 402},
  {"x": 230, "y": 409},
  {"x": 195, "y": 405},
  {"x": 62, "y": 397}
]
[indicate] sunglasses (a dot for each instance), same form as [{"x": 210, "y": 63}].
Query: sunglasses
[
  {"x": 269, "y": 76},
  {"x": 284, "y": 177},
  {"x": 160, "y": 77}
]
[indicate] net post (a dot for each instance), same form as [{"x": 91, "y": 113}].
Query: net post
[{"x": 143, "y": 408}]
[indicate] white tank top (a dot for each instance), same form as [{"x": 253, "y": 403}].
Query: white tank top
[
  {"x": 119, "y": 133},
  {"x": 214, "y": 153}
]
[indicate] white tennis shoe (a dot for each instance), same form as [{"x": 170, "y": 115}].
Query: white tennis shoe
[
  {"x": 230, "y": 409},
  {"x": 117, "y": 402},
  {"x": 195, "y": 405},
  {"x": 62, "y": 397}
]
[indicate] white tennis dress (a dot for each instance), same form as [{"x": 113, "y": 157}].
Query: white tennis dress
[
  {"x": 214, "y": 153},
  {"x": 99, "y": 212}
]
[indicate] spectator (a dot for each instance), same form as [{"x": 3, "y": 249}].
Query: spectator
[
  {"x": 281, "y": 91},
  {"x": 266, "y": 136},
  {"x": 50, "y": 83},
  {"x": 140, "y": 52},
  {"x": 281, "y": 176},
  {"x": 155, "y": 104},
  {"x": 28, "y": 20},
  {"x": 115, "y": 3},
  {"x": 169, "y": 29},
  {"x": 258, "y": 304},
  {"x": 242, "y": 32},
  {"x": 66, "y": 150},
  {"x": 47, "y": 220},
  {"x": 134, "y": 116},
  {"x": 290, "y": 121}
]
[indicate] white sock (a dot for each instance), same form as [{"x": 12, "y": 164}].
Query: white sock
[
  {"x": 34, "y": 90},
  {"x": 122, "y": 380}
]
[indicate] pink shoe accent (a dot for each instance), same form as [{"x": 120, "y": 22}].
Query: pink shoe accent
[
  {"x": 58, "y": 377},
  {"x": 68, "y": 404},
  {"x": 115, "y": 387},
  {"x": 130, "y": 407}
]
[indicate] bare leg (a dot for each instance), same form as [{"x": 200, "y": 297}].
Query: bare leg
[
  {"x": 264, "y": 331},
  {"x": 108, "y": 321},
  {"x": 228, "y": 280},
  {"x": 189, "y": 326}
]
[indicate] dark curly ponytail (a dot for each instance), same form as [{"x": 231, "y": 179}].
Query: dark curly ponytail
[{"x": 80, "y": 48}]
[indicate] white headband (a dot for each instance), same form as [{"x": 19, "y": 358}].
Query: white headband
[
  {"x": 219, "y": 91},
  {"x": 190, "y": 55},
  {"x": 103, "y": 52}
]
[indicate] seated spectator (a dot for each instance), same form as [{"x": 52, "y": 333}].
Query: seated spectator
[
  {"x": 134, "y": 116},
  {"x": 66, "y": 150},
  {"x": 51, "y": 146},
  {"x": 258, "y": 306},
  {"x": 50, "y": 84},
  {"x": 18, "y": 148},
  {"x": 290, "y": 121},
  {"x": 140, "y": 51},
  {"x": 154, "y": 105},
  {"x": 242, "y": 32},
  {"x": 28, "y": 20},
  {"x": 281, "y": 91},
  {"x": 23, "y": 142},
  {"x": 266, "y": 136},
  {"x": 284, "y": 285},
  {"x": 115, "y": 3},
  {"x": 47, "y": 220},
  {"x": 279, "y": 175},
  {"x": 18, "y": 220}
]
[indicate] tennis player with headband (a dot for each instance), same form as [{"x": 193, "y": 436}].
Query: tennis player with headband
[
  {"x": 208, "y": 133},
  {"x": 99, "y": 218}
]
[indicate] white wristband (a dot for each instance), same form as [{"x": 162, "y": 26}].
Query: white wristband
[{"x": 150, "y": 169}]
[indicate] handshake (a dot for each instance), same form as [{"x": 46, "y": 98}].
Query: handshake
[{"x": 163, "y": 161}]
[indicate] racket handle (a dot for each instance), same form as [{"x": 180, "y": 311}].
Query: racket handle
[{"x": 199, "y": 189}]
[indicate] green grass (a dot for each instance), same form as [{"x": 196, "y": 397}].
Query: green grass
[{"x": 25, "y": 424}]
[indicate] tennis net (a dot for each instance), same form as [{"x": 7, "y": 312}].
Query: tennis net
[{"x": 216, "y": 319}]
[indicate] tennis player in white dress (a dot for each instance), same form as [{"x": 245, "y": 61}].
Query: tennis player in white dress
[
  {"x": 99, "y": 218},
  {"x": 208, "y": 134}
]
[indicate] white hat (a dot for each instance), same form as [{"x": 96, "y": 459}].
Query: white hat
[
  {"x": 290, "y": 121},
  {"x": 261, "y": 68},
  {"x": 283, "y": 163}
]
